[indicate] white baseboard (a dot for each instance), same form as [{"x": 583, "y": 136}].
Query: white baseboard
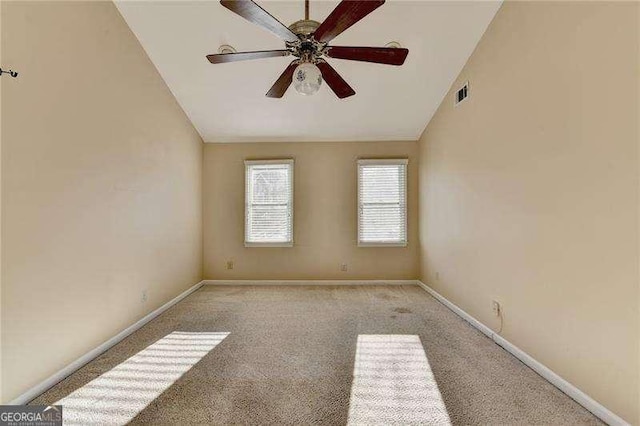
[
  {"x": 94, "y": 353},
  {"x": 580, "y": 397},
  {"x": 310, "y": 282}
]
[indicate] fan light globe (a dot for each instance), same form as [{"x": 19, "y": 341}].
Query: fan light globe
[{"x": 307, "y": 78}]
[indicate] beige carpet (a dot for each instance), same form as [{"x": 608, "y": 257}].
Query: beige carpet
[{"x": 289, "y": 359}]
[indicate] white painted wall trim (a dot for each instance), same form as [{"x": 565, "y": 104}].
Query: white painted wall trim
[
  {"x": 310, "y": 282},
  {"x": 94, "y": 353},
  {"x": 580, "y": 397}
]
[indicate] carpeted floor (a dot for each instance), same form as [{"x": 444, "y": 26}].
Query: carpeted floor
[{"x": 289, "y": 359}]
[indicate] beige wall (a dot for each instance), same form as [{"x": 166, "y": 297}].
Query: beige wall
[
  {"x": 1, "y": 80},
  {"x": 529, "y": 191},
  {"x": 325, "y": 220},
  {"x": 101, "y": 187}
]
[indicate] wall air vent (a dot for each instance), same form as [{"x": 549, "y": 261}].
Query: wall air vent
[{"x": 462, "y": 94}]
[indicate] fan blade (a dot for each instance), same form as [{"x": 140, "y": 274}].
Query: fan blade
[
  {"x": 221, "y": 58},
  {"x": 283, "y": 82},
  {"x": 379, "y": 55},
  {"x": 347, "y": 13},
  {"x": 250, "y": 11},
  {"x": 333, "y": 79}
]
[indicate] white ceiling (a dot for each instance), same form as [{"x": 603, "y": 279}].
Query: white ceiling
[{"x": 227, "y": 102}]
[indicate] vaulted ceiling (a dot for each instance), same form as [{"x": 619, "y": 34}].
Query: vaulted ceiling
[{"x": 227, "y": 103}]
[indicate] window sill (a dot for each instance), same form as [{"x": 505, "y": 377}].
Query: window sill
[
  {"x": 382, "y": 244},
  {"x": 247, "y": 244}
]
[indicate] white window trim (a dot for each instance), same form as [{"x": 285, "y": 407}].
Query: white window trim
[
  {"x": 288, "y": 161},
  {"x": 398, "y": 161}
]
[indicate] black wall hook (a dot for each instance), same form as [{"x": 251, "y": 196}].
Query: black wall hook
[{"x": 10, "y": 72}]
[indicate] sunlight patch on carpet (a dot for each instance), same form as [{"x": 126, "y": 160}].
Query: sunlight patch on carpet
[
  {"x": 118, "y": 395},
  {"x": 393, "y": 383}
]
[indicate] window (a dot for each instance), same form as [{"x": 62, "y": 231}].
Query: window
[
  {"x": 382, "y": 202},
  {"x": 269, "y": 203}
]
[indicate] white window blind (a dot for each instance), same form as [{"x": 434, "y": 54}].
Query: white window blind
[
  {"x": 269, "y": 203},
  {"x": 382, "y": 202}
]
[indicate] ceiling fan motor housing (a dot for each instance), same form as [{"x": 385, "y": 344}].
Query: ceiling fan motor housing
[
  {"x": 304, "y": 27},
  {"x": 306, "y": 48}
]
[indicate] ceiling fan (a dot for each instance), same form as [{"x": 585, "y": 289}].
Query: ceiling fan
[{"x": 308, "y": 40}]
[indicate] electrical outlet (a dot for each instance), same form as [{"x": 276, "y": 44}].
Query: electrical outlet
[
  {"x": 343, "y": 267},
  {"x": 437, "y": 276},
  {"x": 229, "y": 264},
  {"x": 144, "y": 296},
  {"x": 496, "y": 308}
]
